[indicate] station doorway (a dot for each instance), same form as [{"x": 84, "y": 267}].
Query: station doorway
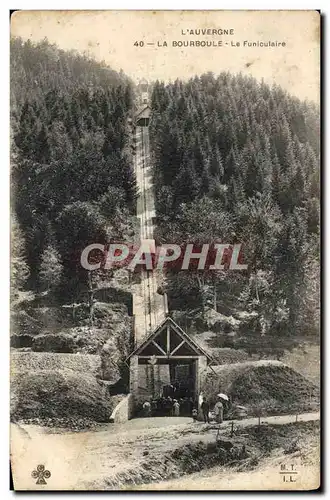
[{"x": 166, "y": 368}]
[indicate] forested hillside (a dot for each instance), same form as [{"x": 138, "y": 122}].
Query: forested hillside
[
  {"x": 238, "y": 162},
  {"x": 73, "y": 184},
  {"x": 72, "y": 177}
]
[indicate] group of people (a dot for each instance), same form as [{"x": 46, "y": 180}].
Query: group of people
[
  {"x": 178, "y": 390},
  {"x": 168, "y": 406},
  {"x": 184, "y": 406},
  {"x": 217, "y": 410}
]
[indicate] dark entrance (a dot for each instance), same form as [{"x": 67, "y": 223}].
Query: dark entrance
[
  {"x": 182, "y": 378},
  {"x": 164, "y": 382}
]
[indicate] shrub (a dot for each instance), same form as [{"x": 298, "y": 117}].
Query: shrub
[
  {"x": 19, "y": 341},
  {"x": 59, "y": 394},
  {"x": 59, "y": 342},
  {"x": 269, "y": 387}
]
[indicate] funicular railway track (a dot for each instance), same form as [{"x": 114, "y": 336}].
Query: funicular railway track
[{"x": 145, "y": 211}]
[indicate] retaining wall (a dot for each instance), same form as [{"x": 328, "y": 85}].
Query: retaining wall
[{"x": 123, "y": 411}]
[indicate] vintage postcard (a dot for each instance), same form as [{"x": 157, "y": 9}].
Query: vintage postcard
[{"x": 165, "y": 181}]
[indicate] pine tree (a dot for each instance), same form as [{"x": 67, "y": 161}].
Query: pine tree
[
  {"x": 19, "y": 268},
  {"x": 42, "y": 153},
  {"x": 50, "y": 269},
  {"x": 186, "y": 185},
  {"x": 70, "y": 130}
]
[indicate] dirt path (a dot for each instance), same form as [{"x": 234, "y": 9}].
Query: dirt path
[
  {"x": 149, "y": 423},
  {"x": 79, "y": 460}
]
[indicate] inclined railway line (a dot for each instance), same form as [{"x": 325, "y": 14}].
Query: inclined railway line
[{"x": 145, "y": 204}]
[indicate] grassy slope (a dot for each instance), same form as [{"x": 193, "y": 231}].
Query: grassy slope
[
  {"x": 61, "y": 380},
  {"x": 59, "y": 394},
  {"x": 58, "y": 386},
  {"x": 32, "y": 361},
  {"x": 261, "y": 445},
  {"x": 268, "y": 386},
  {"x": 306, "y": 360}
]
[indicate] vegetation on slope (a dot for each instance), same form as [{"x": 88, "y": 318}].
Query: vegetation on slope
[
  {"x": 72, "y": 176},
  {"x": 72, "y": 179},
  {"x": 72, "y": 185},
  {"x": 46, "y": 393},
  {"x": 263, "y": 387},
  {"x": 237, "y": 161}
]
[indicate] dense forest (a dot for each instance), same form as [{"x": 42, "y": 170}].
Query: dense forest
[
  {"x": 233, "y": 161},
  {"x": 72, "y": 176},
  {"x": 237, "y": 161}
]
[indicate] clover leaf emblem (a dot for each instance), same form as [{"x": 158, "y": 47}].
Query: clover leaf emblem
[{"x": 41, "y": 474}]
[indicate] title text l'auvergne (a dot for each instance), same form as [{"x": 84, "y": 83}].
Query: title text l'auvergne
[{"x": 208, "y": 31}]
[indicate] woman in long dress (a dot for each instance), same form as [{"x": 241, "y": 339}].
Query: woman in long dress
[
  {"x": 218, "y": 411},
  {"x": 176, "y": 409}
]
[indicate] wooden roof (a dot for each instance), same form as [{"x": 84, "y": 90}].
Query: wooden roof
[
  {"x": 169, "y": 341},
  {"x": 145, "y": 112}
]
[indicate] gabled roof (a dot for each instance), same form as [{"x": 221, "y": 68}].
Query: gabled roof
[
  {"x": 145, "y": 109},
  {"x": 184, "y": 342}
]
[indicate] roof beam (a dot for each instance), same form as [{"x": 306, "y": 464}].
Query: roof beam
[
  {"x": 168, "y": 337},
  {"x": 169, "y": 324},
  {"x": 158, "y": 347},
  {"x": 178, "y": 347},
  {"x": 166, "y": 357}
]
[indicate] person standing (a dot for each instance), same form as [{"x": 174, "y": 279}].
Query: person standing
[
  {"x": 194, "y": 414},
  {"x": 169, "y": 406},
  {"x": 205, "y": 409},
  {"x": 218, "y": 411},
  {"x": 147, "y": 409},
  {"x": 176, "y": 408}
]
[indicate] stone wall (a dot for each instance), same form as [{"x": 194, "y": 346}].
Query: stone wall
[{"x": 124, "y": 410}]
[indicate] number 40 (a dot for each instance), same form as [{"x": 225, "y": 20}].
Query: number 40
[{"x": 139, "y": 44}]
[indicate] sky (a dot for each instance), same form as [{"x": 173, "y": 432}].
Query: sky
[{"x": 111, "y": 36}]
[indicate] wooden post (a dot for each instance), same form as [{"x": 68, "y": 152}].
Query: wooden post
[
  {"x": 152, "y": 361},
  {"x": 90, "y": 298},
  {"x": 168, "y": 340},
  {"x": 232, "y": 429},
  {"x": 153, "y": 381},
  {"x": 165, "y": 304}
]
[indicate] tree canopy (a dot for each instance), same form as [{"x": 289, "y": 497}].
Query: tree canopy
[
  {"x": 72, "y": 165},
  {"x": 238, "y": 161}
]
